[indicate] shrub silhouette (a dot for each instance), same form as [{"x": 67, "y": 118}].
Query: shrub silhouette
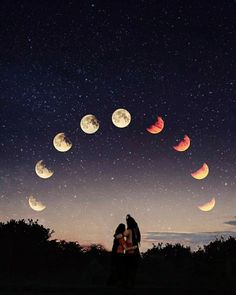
[
  {"x": 21, "y": 242},
  {"x": 29, "y": 254}
]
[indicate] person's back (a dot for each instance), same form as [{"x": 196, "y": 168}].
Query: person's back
[
  {"x": 129, "y": 241},
  {"x": 117, "y": 257},
  {"x": 132, "y": 256},
  {"x": 121, "y": 246}
]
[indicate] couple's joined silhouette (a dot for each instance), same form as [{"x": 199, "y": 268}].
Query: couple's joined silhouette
[{"x": 125, "y": 254}]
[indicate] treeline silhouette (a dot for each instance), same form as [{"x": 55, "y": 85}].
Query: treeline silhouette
[{"x": 29, "y": 255}]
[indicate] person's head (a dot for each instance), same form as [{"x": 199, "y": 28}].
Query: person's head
[
  {"x": 120, "y": 229},
  {"x": 131, "y": 223}
]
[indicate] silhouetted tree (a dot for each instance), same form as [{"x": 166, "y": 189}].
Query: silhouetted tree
[
  {"x": 28, "y": 252},
  {"x": 22, "y": 242}
]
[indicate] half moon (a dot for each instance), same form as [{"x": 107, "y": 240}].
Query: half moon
[
  {"x": 208, "y": 206},
  {"x": 183, "y": 145},
  {"x": 201, "y": 173},
  {"x": 157, "y": 127},
  {"x": 121, "y": 118},
  {"x": 61, "y": 142},
  {"x": 42, "y": 171},
  {"x": 89, "y": 124},
  {"x": 36, "y": 205}
]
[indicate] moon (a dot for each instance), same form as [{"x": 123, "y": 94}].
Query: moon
[
  {"x": 89, "y": 124},
  {"x": 36, "y": 205},
  {"x": 42, "y": 171},
  {"x": 121, "y": 118},
  {"x": 183, "y": 145},
  {"x": 62, "y": 143},
  {"x": 208, "y": 206},
  {"x": 201, "y": 173},
  {"x": 157, "y": 127}
]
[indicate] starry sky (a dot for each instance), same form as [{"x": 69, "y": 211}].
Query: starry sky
[{"x": 61, "y": 60}]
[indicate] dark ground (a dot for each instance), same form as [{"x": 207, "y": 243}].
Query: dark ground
[{"x": 41, "y": 290}]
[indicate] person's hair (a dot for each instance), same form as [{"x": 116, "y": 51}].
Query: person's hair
[
  {"x": 132, "y": 224},
  {"x": 120, "y": 229}
]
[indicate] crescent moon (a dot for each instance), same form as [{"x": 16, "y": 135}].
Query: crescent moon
[
  {"x": 201, "y": 173},
  {"x": 42, "y": 171},
  {"x": 157, "y": 127},
  {"x": 183, "y": 145},
  {"x": 36, "y": 205},
  {"x": 89, "y": 124},
  {"x": 121, "y": 118},
  {"x": 208, "y": 206},
  {"x": 61, "y": 142}
]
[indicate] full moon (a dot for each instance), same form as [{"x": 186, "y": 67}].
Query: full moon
[
  {"x": 36, "y": 205},
  {"x": 62, "y": 143},
  {"x": 89, "y": 124},
  {"x": 42, "y": 171},
  {"x": 121, "y": 118}
]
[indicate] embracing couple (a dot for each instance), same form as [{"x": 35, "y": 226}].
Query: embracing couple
[{"x": 125, "y": 254}]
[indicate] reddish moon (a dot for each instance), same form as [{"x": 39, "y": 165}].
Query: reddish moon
[
  {"x": 201, "y": 172},
  {"x": 157, "y": 127},
  {"x": 208, "y": 206},
  {"x": 183, "y": 145}
]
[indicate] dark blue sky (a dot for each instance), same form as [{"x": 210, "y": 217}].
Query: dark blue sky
[{"x": 61, "y": 60}]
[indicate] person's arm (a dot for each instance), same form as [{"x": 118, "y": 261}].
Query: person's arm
[
  {"x": 131, "y": 248},
  {"x": 123, "y": 243},
  {"x": 125, "y": 234}
]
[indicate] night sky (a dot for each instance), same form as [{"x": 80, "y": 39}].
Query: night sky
[{"x": 61, "y": 60}]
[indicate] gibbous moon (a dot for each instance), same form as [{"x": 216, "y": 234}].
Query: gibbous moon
[
  {"x": 183, "y": 145},
  {"x": 36, "y": 205},
  {"x": 42, "y": 171},
  {"x": 157, "y": 127},
  {"x": 208, "y": 206},
  {"x": 201, "y": 172},
  {"x": 121, "y": 118},
  {"x": 89, "y": 124},
  {"x": 62, "y": 143}
]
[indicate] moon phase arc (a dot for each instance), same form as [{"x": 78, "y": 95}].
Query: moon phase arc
[
  {"x": 62, "y": 143},
  {"x": 36, "y": 205},
  {"x": 183, "y": 145},
  {"x": 201, "y": 173},
  {"x": 157, "y": 127},
  {"x": 208, "y": 206},
  {"x": 121, "y": 118},
  {"x": 89, "y": 124},
  {"x": 42, "y": 171}
]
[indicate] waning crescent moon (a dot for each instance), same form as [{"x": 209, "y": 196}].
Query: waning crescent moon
[
  {"x": 61, "y": 142},
  {"x": 201, "y": 173},
  {"x": 183, "y": 145},
  {"x": 42, "y": 171},
  {"x": 36, "y": 205},
  {"x": 208, "y": 206},
  {"x": 157, "y": 127}
]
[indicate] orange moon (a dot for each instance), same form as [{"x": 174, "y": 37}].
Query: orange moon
[
  {"x": 201, "y": 172},
  {"x": 183, "y": 145},
  {"x": 157, "y": 127},
  {"x": 208, "y": 206}
]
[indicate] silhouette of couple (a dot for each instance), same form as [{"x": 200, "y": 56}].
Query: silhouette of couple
[{"x": 125, "y": 254}]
